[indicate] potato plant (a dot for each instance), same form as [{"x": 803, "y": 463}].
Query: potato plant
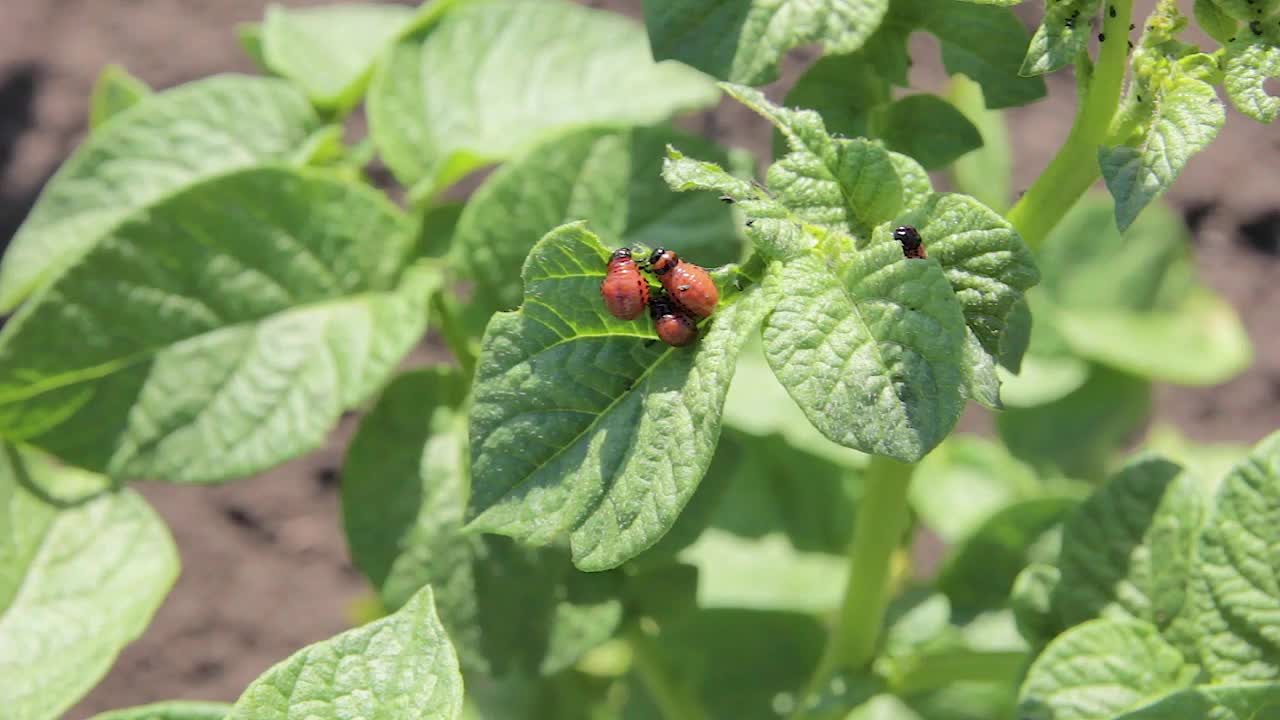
[{"x": 574, "y": 520}]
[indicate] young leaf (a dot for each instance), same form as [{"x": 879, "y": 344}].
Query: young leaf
[
  {"x": 447, "y": 101},
  {"x": 1098, "y": 670},
  {"x": 1234, "y": 595},
  {"x": 114, "y": 92},
  {"x": 987, "y": 44},
  {"x": 1127, "y": 550},
  {"x": 170, "y": 710},
  {"x": 841, "y": 88},
  {"x": 870, "y": 351},
  {"x": 399, "y": 666},
  {"x": 1220, "y": 702},
  {"x": 79, "y": 580},
  {"x": 1077, "y": 434},
  {"x": 1248, "y": 62},
  {"x": 1247, "y": 11},
  {"x": 1061, "y": 38},
  {"x": 1212, "y": 20},
  {"x": 742, "y": 42},
  {"x": 577, "y": 415},
  {"x": 1185, "y": 117},
  {"x": 608, "y": 178},
  {"x": 847, "y": 185},
  {"x": 508, "y": 610},
  {"x": 159, "y": 146},
  {"x": 196, "y": 344},
  {"x": 329, "y": 51},
  {"x": 925, "y": 127}
]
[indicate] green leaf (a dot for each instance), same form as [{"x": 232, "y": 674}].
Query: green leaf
[
  {"x": 399, "y": 666},
  {"x": 1031, "y": 600},
  {"x": 742, "y": 42},
  {"x": 983, "y": 258},
  {"x": 1061, "y": 38},
  {"x": 1247, "y": 11},
  {"x": 161, "y": 145},
  {"x": 841, "y": 88},
  {"x": 1235, "y": 596},
  {"x": 927, "y": 128},
  {"x": 1214, "y": 22},
  {"x": 730, "y": 567},
  {"x": 114, "y": 92},
  {"x": 987, "y": 44},
  {"x": 197, "y": 344},
  {"x": 611, "y": 179},
  {"x": 1208, "y": 461},
  {"x": 734, "y": 662},
  {"x": 404, "y": 485},
  {"x": 79, "y": 580},
  {"x": 1186, "y": 116},
  {"x": 846, "y": 185},
  {"x": 1248, "y": 62},
  {"x": 1219, "y": 702},
  {"x": 1077, "y": 434},
  {"x": 170, "y": 710},
  {"x": 871, "y": 350},
  {"x": 979, "y": 573},
  {"x": 445, "y": 102},
  {"x": 966, "y": 480},
  {"x": 577, "y": 414},
  {"x": 984, "y": 173},
  {"x": 329, "y": 50},
  {"x": 1100, "y": 669},
  {"x": 1132, "y": 300},
  {"x": 1127, "y": 550}
]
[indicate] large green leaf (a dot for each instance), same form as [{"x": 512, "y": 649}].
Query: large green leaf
[
  {"x": 1132, "y": 301},
  {"x": 79, "y": 580},
  {"x": 869, "y": 350},
  {"x": 1218, "y": 702},
  {"x": 401, "y": 666},
  {"x": 737, "y": 662},
  {"x": 1236, "y": 592},
  {"x": 216, "y": 333},
  {"x": 609, "y": 178},
  {"x": 985, "y": 43},
  {"x": 1063, "y": 34},
  {"x": 1098, "y": 670},
  {"x": 966, "y": 480},
  {"x": 170, "y": 710},
  {"x": 159, "y": 146},
  {"x": 577, "y": 415},
  {"x": 985, "y": 173},
  {"x": 1127, "y": 550},
  {"x": 404, "y": 485},
  {"x": 1185, "y": 116},
  {"x": 459, "y": 94},
  {"x": 742, "y": 42},
  {"x": 925, "y": 127},
  {"x": 1077, "y": 434},
  {"x": 329, "y": 50}
]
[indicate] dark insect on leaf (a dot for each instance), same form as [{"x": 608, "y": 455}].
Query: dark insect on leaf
[{"x": 912, "y": 244}]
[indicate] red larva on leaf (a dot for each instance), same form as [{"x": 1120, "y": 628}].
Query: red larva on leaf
[
  {"x": 625, "y": 291},
  {"x": 671, "y": 322},
  {"x": 688, "y": 285},
  {"x": 912, "y": 244}
]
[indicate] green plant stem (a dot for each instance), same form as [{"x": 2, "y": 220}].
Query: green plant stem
[
  {"x": 881, "y": 522},
  {"x": 1075, "y": 167},
  {"x": 672, "y": 699},
  {"x": 459, "y": 344}
]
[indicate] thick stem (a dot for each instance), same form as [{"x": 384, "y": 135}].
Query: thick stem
[
  {"x": 672, "y": 699},
  {"x": 1075, "y": 167},
  {"x": 881, "y": 522}
]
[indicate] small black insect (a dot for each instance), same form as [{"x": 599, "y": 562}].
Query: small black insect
[
  {"x": 726, "y": 200},
  {"x": 1131, "y": 26},
  {"x": 912, "y": 244},
  {"x": 1130, "y": 46},
  {"x": 1102, "y": 37},
  {"x": 751, "y": 222},
  {"x": 1070, "y": 23},
  {"x": 1256, "y": 27},
  {"x": 1113, "y": 11},
  {"x": 1139, "y": 98}
]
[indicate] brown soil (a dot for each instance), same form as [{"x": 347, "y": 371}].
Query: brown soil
[{"x": 266, "y": 569}]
